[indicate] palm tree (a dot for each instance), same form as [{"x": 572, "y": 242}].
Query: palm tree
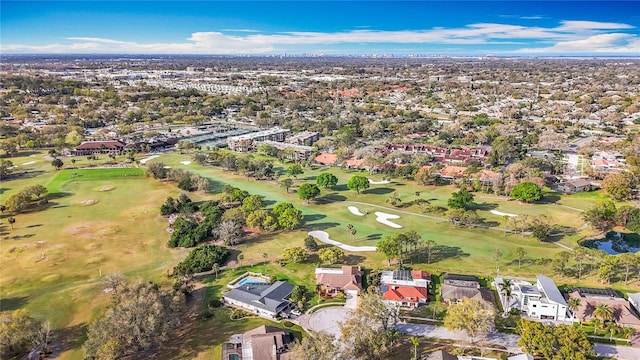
[
  {"x": 216, "y": 268},
  {"x": 240, "y": 258},
  {"x": 265, "y": 256},
  {"x": 596, "y": 323},
  {"x": 603, "y": 311},
  {"x": 11, "y": 221},
  {"x": 573, "y": 304},
  {"x": 506, "y": 291},
  {"x": 415, "y": 341}
]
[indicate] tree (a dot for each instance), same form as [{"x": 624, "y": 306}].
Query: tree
[
  {"x": 463, "y": 218},
  {"x": 215, "y": 268},
  {"x": 138, "y": 318},
  {"x": 497, "y": 255},
  {"x": 11, "y": 221},
  {"x": 580, "y": 254},
  {"x": 601, "y": 216},
  {"x": 629, "y": 261},
  {"x": 202, "y": 258},
  {"x": 17, "y": 330},
  {"x": 520, "y": 254},
  {"x": 527, "y": 192},
  {"x": 265, "y": 256},
  {"x": 462, "y": 199},
  {"x": 560, "y": 262},
  {"x": 310, "y": 243},
  {"x": 57, "y": 163},
  {"x": 619, "y": 186},
  {"x": 295, "y": 170},
  {"x": 252, "y": 203},
  {"x": 256, "y": 219},
  {"x": 295, "y": 254},
  {"x": 470, "y": 315},
  {"x": 290, "y": 218},
  {"x": 540, "y": 228},
  {"x": 603, "y": 311},
  {"x": 427, "y": 176},
  {"x": 358, "y": 183},
  {"x": 368, "y": 332},
  {"x": 573, "y": 304},
  {"x": 330, "y": 255},
  {"x": 308, "y": 192},
  {"x": 6, "y": 168},
  {"x": 607, "y": 267},
  {"x": 390, "y": 246},
  {"x": 415, "y": 341},
  {"x": 287, "y": 184},
  {"x": 326, "y": 180},
  {"x": 229, "y": 231},
  {"x": 549, "y": 342},
  {"x": 429, "y": 245},
  {"x": 321, "y": 346}
]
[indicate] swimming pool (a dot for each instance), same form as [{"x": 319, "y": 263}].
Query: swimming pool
[
  {"x": 234, "y": 357},
  {"x": 252, "y": 280}
]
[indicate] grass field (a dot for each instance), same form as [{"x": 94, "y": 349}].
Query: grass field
[{"x": 105, "y": 220}]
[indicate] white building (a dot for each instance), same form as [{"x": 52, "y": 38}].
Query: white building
[{"x": 540, "y": 301}]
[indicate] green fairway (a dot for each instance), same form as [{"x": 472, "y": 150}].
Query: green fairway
[{"x": 105, "y": 220}]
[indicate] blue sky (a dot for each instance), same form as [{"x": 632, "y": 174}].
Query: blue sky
[{"x": 326, "y": 27}]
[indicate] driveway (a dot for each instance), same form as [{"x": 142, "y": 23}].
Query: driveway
[
  {"x": 325, "y": 319},
  {"x": 617, "y": 352}
]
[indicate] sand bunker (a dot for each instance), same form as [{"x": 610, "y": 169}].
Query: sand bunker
[
  {"x": 144, "y": 161},
  {"x": 87, "y": 202},
  {"x": 323, "y": 236},
  {"x": 500, "y": 213},
  {"x": 185, "y": 162},
  {"x": 383, "y": 218},
  {"x": 106, "y": 188},
  {"x": 29, "y": 163},
  {"x": 355, "y": 211},
  {"x": 379, "y": 182}
]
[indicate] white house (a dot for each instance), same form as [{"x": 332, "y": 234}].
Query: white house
[
  {"x": 268, "y": 300},
  {"x": 541, "y": 301}
]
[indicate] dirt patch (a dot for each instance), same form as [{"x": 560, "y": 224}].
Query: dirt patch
[
  {"x": 93, "y": 246},
  {"x": 96, "y": 260},
  {"x": 87, "y": 202},
  {"x": 106, "y": 188},
  {"x": 91, "y": 229}
]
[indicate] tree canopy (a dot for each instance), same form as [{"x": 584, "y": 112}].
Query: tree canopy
[
  {"x": 326, "y": 180},
  {"x": 527, "y": 192},
  {"x": 462, "y": 199},
  {"x": 308, "y": 191},
  {"x": 553, "y": 342},
  {"x": 358, "y": 183},
  {"x": 470, "y": 315}
]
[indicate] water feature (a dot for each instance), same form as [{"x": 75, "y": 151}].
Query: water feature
[{"x": 616, "y": 243}]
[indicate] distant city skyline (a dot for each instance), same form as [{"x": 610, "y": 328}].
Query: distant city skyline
[{"x": 543, "y": 28}]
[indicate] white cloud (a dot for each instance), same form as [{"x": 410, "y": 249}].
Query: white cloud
[
  {"x": 609, "y": 43},
  {"x": 569, "y": 36}
]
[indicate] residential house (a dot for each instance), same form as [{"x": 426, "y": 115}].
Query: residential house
[
  {"x": 574, "y": 186},
  {"x": 456, "y": 287},
  {"x": 623, "y": 313},
  {"x": 540, "y": 301},
  {"x": 261, "y": 343},
  {"x": 634, "y": 300},
  {"x": 405, "y": 287},
  {"x": 326, "y": 159},
  {"x": 333, "y": 281},
  {"x": 269, "y": 300},
  {"x": 99, "y": 147}
]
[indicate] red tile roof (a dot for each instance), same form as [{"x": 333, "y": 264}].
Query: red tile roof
[
  {"x": 405, "y": 293},
  {"x": 326, "y": 159}
]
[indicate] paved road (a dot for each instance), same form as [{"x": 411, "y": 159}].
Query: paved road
[
  {"x": 509, "y": 341},
  {"x": 499, "y": 339}
]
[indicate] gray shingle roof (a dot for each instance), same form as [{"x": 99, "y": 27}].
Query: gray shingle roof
[{"x": 268, "y": 297}]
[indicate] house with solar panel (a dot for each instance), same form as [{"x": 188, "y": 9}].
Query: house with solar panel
[
  {"x": 540, "y": 301},
  {"x": 406, "y": 288}
]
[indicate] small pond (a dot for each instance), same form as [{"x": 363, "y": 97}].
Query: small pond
[{"x": 615, "y": 243}]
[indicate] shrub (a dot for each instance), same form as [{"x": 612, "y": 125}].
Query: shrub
[{"x": 287, "y": 324}]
